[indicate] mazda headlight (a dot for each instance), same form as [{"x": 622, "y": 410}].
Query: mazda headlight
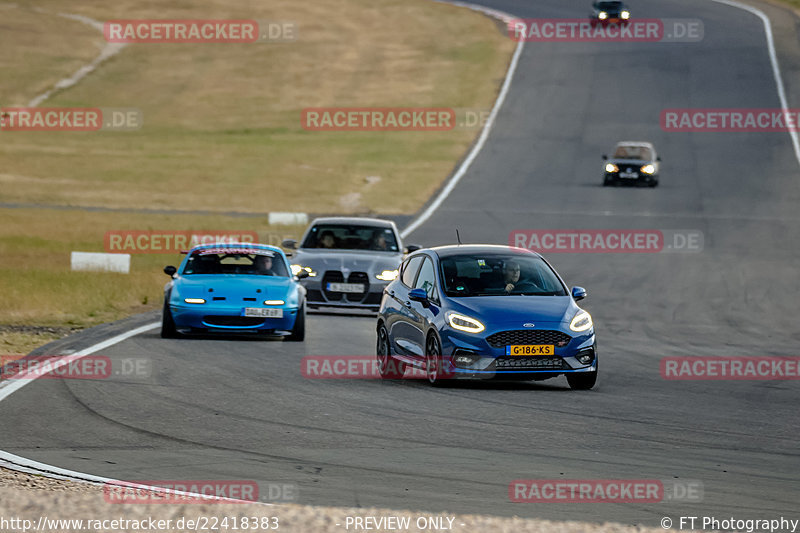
[
  {"x": 464, "y": 323},
  {"x": 625, "y": 15},
  {"x": 274, "y": 302},
  {"x": 387, "y": 275},
  {"x": 194, "y": 300},
  {"x": 611, "y": 167},
  {"x": 648, "y": 169},
  {"x": 297, "y": 268},
  {"x": 602, "y": 15},
  {"x": 581, "y": 321}
]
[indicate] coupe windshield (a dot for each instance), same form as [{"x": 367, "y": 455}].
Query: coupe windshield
[
  {"x": 351, "y": 237},
  {"x": 633, "y": 152},
  {"x": 499, "y": 275},
  {"x": 609, "y": 6},
  {"x": 249, "y": 262}
]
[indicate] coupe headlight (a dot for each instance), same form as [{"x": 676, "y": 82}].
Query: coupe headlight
[
  {"x": 648, "y": 169},
  {"x": 194, "y": 300},
  {"x": 297, "y": 268},
  {"x": 625, "y": 15},
  {"x": 387, "y": 275},
  {"x": 611, "y": 167},
  {"x": 602, "y": 15},
  {"x": 274, "y": 302},
  {"x": 581, "y": 322},
  {"x": 464, "y": 323}
]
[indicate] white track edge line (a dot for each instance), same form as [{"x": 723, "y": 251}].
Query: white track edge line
[
  {"x": 487, "y": 128},
  {"x": 773, "y": 59},
  {"x": 22, "y": 464}
]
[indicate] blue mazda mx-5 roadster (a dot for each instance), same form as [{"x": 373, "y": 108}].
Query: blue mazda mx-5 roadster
[
  {"x": 234, "y": 288},
  {"x": 484, "y": 311}
]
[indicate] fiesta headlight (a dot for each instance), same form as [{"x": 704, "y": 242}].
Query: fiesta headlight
[
  {"x": 602, "y": 15},
  {"x": 581, "y": 322},
  {"x": 194, "y": 300},
  {"x": 297, "y": 268},
  {"x": 648, "y": 169},
  {"x": 464, "y": 323},
  {"x": 387, "y": 275},
  {"x": 274, "y": 302},
  {"x": 625, "y": 15},
  {"x": 611, "y": 167}
]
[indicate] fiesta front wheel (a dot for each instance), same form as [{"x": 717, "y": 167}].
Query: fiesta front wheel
[{"x": 582, "y": 380}]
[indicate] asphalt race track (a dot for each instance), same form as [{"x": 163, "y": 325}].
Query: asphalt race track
[{"x": 240, "y": 409}]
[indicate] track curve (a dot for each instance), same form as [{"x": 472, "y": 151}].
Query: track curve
[{"x": 240, "y": 409}]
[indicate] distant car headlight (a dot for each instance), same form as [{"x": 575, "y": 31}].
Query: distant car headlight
[
  {"x": 464, "y": 323},
  {"x": 602, "y": 15},
  {"x": 625, "y": 15},
  {"x": 387, "y": 275},
  {"x": 274, "y": 302},
  {"x": 297, "y": 268},
  {"x": 648, "y": 169},
  {"x": 611, "y": 167},
  {"x": 581, "y": 321},
  {"x": 194, "y": 300}
]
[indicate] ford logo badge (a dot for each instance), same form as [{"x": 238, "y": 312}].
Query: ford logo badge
[{"x": 528, "y": 325}]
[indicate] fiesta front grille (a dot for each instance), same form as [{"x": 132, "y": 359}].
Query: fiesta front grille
[
  {"x": 235, "y": 321},
  {"x": 528, "y": 336},
  {"x": 530, "y": 363}
]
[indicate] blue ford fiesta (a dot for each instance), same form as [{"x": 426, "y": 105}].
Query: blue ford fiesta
[
  {"x": 234, "y": 288},
  {"x": 484, "y": 311}
]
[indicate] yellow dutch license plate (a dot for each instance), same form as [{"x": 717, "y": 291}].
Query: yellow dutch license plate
[{"x": 530, "y": 349}]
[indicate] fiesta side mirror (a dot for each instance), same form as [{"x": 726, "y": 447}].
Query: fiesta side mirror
[
  {"x": 578, "y": 293},
  {"x": 418, "y": 295},
  {"x": 302, "y": 274},
  {"x": 170, "y": 270},
  {"x": 413, "y": 248},
  {"x": 289, "y": 243}
]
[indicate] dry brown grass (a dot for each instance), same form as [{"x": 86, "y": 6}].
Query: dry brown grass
[{"x": 222, "y": 121}]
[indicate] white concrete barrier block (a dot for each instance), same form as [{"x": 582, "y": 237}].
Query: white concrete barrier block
[
  {"x": 288, "y": 218},
  {"x": 100, "y": 262}
]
